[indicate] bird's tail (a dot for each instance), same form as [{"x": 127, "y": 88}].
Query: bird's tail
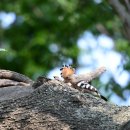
[{"x": 103, "y": 98}]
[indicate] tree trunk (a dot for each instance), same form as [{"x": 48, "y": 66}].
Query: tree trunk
[{"x": 56, "y": 106}]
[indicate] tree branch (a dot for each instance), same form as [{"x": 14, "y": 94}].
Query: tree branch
[
  {"x": 54, "y": 105},
  {"x": 124, "y": 15},
  {"x": 11, "y": 78},
  {"x": 121, "y": 10}
]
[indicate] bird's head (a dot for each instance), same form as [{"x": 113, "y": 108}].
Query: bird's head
[{"x": 67, "y": 71}]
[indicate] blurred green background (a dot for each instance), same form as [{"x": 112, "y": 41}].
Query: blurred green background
[{"x": 42, "y": 35}]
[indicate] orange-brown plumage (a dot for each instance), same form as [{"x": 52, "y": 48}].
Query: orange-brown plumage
[{"x": 67, "y": 71}]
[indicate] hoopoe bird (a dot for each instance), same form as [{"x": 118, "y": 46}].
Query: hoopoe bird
[{"x": 81, "y": 82}]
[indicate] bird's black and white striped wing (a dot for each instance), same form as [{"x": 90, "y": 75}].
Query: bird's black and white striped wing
[{"x": 86, "y": 87}]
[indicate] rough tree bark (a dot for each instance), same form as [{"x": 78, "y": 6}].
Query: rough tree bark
[{"x": 56, "y": 106}]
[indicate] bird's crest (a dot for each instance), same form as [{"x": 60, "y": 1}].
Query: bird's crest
[{"x": 67, "y": 71}]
